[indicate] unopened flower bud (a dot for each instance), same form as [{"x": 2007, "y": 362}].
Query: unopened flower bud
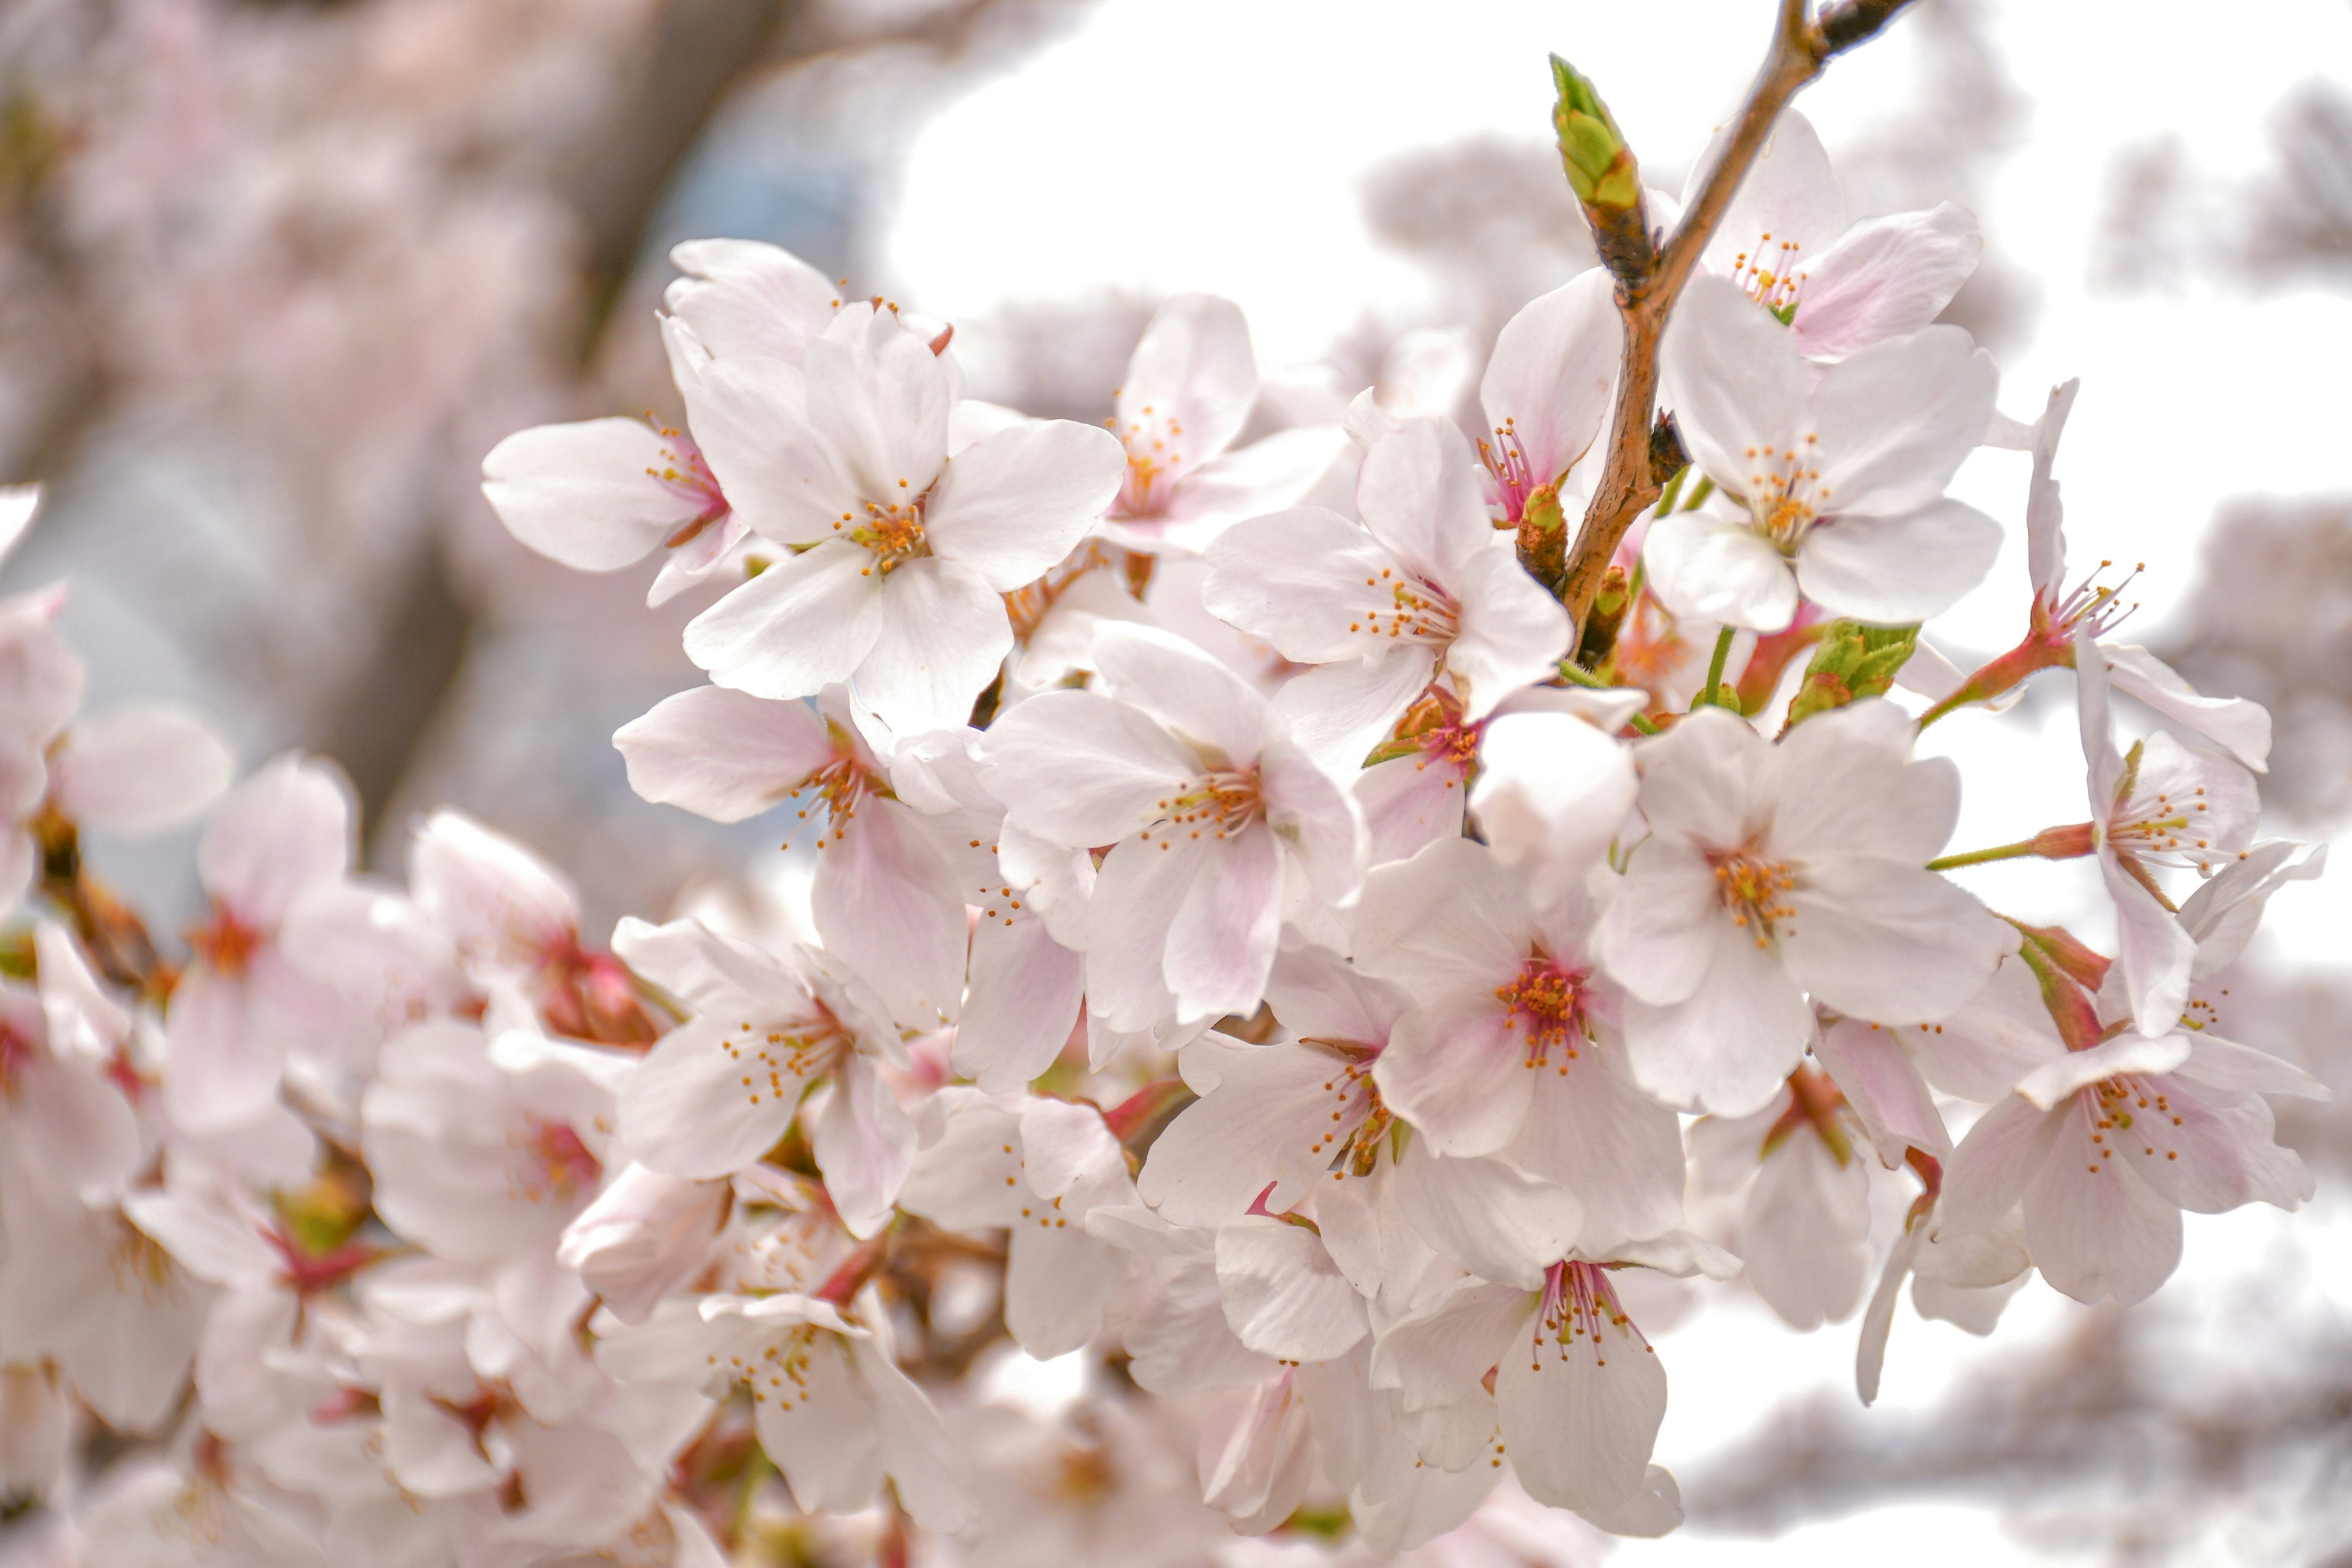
[
  {"x": 1602, "y": 173},
  {"x": 1854, "y": 661}
]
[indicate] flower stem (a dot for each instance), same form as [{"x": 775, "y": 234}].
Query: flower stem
[
  {"x": 2023, "y": 846},
  {"x": 1715, "y": 665}
]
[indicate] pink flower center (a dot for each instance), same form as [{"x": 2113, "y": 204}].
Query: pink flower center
[
  {"x": 1507, "y": 466},
  {"x": 1578, "y": 1303},
  {"x": 555, "y": 1163},
  {"x": 685, "y": 473},
  {"x": 1547, "y": 1009},
  {"x": 1150, "y": 465},
  {"x": 803, "y": 1052},
  {"x": 840, "y": 785},
  {"x": 1785, "y": 493},
  {"x": 225, "y": 943},
  {"x": 2090, "y": 602}
]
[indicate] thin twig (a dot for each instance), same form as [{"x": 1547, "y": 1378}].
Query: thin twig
[{"x": 1630, "y": 482}]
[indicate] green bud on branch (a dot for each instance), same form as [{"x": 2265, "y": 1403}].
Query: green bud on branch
[
  {"x": 1854, "y": 661},
  {"x": 1602, "y": 173}
]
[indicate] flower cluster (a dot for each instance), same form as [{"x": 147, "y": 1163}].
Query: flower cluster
[{"x": 1261, "y": 952}]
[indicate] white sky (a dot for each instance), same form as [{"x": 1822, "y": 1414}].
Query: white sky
[{"x": 1219, "y": 145}]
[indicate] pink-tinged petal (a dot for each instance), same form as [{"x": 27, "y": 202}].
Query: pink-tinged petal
[
  {"x": 1896, "y": 418},
  {"x": 1283, "y": 471},
  {"x": 1138, "y": 893},
  {"x": 805, "y": 624},
  {"x": 1204, "y": 703},
  {"x": 1844, "y": 783},
  {"x": 1805, "y": 1232},
  {"x": 84, "y": 1023},
  {"x": 1458, "y": 1072},
  {"x": 1552, "y": 789},
  {"x": 219, "y": 1069},
  {"x": 1191, "y": 382},
  {"x": 1619, "y": 1151},
  {"x": 1267, "y": 1119},
  {"x": 70, "y": 1126},
  {"x": 1408, "y": 804},
  {"x": 2094, "y": 715},
  {"x": 1658, "y": 935},
  {"x": 2045, "y": 535},
  {"x": 878, "y": 400},
  {"x": 2004, "y": 1032},
  {"x": 1553, "y": 372},
  {"x": 1079, "y": 770},
  {"x": 1703, "y": 780},
  {"x": 1900, "y": 568},
  {"x": 1319, "y": 993},
  {"x": 1222, "y": 943},
  {"x": 1308, "y": 581},
  {"x": 745, "y": 299},
  {"x": 2225, "y": 1064},
  {"x": 2154, "y": 954},
  {"x": 40, "y": 677},
  {"x": 589, "y": 495},
  {"x": 722, "y": 755},
  {"x": 645, "y": 1233},
  {"x": 1707, "y": 566},
  {"x": 2094, "y": 1229},
  {"x": 943, "y": 637},
  {"x": 1883, "y": 277},
  {"x": 2204, "y": 1150},
  {"x": 749, "y": 417},
  {"x": 1338, "y": 712},
  {"x": 2240, "y": 727},
  {"x": 1878, "y": 1320},
  {"x": 1879, "y": 939},
  {"x": 891, "y": 907},
  {"x": 286, "y": 826},
  {"x": 141, "y": 768},
  {"x": 863, "y": 1144},
  {"x": 1789, "y": 198},
  {"x": 1452, "y": 917},
  {"x": 1728, "y": 1046},
  {"x": 1011, "y": 505},
  {"x": 1283, "y": 1295},
  {"x": 1441, "y": 1354},
  {"x": 1316, "y": 820},
  {"x": 820, "y": 1430},
  {"x": 1512, "y": 633},
  {"x": 1495, "y": 1221},
  {"x": 1996, "y": 1163},
  {"x": 1882, "y": 1084},
  {"x": 1422, "y": 494},
  {"x": 1256, "y": 1455},
  {"x": 1058, "y": 1281},
  {"x": 1021, "y": 1006},
  {"x": 2223, "y": 914},
  {"x": 2054, "y": 1084},
  {"x": 1580, "y": 1411},
  {"x": 503, "y": 906},
  {"x": 1736, "y": 383},
  {"x": 688, "y": 1112}
]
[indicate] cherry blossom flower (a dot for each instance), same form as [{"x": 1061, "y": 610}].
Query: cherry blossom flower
[
  {"x": 1036, "y": 1168},
  {"x": 720, "y": 1089},
  {"x": 1424, "y": 585},
  {"x": 2104, "y": 1148},
  {"x": 1775, "y": 870},
  {"x": 1509, "y": 1046},
  {"x": 833, "y": 1409},
  {"x": 1834, "y": 490},
  {"x": 70, "y": 1132},
  {"x": 885, "y": 895},
  {"x": 1547, "y": 390},
  {"x": 1216, "y": 821},
  {"x": 900, "y": 556},
  {"x": 1189, "y": 388},
  {"x": 645, "y": 1233},
  {"x": 1785, "y": 242},
  {"x": 241, "y": 1009},
  {"x": 1804, "y": 1195}
]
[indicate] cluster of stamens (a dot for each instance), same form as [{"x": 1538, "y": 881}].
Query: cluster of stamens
[
  {"x": 1360, "y": 1120},
  {"x": 1507, "y": 461},
  {"x": 1416, "y": 609},
  {"x": 892, "y": 529},
  {"x": 1750, "y": 886},
  {"x": 2163, "y": 826},
  {"x": 1149, "y": 460},
  {"x": 778, "y": 1373},
  {"x": 685, "y": 472},
  {"x": 2117, "y": 1108},
  {"x": 838, "y": 786},
  {"x": 225, "y": 942},
  {"x": 1785, "y": 493},
  {"x": 1769, "y": 274},
  {"x": 552, "y": 1163},
  {"x": 2089, "y": 604},
  {"x": 1546, "y": 1003},
  {"x": 1224, "y": 802},
  {"x": 1577, "y": 1303},
  {"x": 801, "y": 1052}
]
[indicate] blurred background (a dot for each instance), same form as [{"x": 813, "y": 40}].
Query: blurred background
[{"x": 275, "y": 274}]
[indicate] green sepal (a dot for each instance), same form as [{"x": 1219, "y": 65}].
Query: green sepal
[{"x": 1854, "y": 661}]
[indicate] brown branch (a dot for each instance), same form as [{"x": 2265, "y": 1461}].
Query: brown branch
[{"x": 1631, "y": 482}]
